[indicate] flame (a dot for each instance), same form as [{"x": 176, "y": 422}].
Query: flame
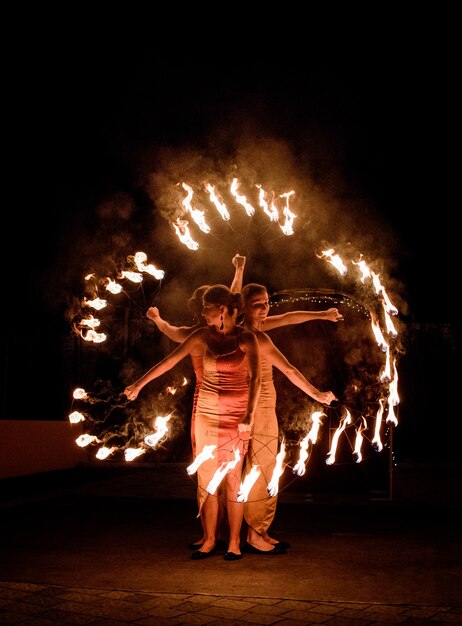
[
  {"x": 385, "y": 376},
  {"x": 242, "y": 200},
  {"x": 88, "y": 276},
  {"x": 380, "y": 339},
  {"x": 363, "y": 268},
  {"x": 273, "y": 485},
  {"x": 97, "y": 303},
  {"x": 300, "y": 466},
  {"x": 182, "y": 231},
  {"x": 391, "y": 330},
  {"x": 140, "y": 261},
  {"x": 357, "y": 456},
  {"x": 287, "y": 227},
  {"x": 94, "y": 336},
  {"x": 376, "y": 441},
  {"x": 394, "y": 386},
  {"x": 135, "y": 277},
  {"x": 160, "y": 425},
  {"x": 112, "y": 286},
  {"x": 272, "y": 213},
  {"x": 346, "y": 419},
  {"x": 90, "y": 322},
  {"x": 84, "y": 440},
  {"x": 222, "y": 471},
  {"x": 207, "y": 453},
  {"x": 380, "y": 290},
  {"x": 198, "y": 216},
  {"x": 335, "y": 260},
  {"x": 79, "y": 394},
  {"x": 218, "y": 202},
  {"x": 75, "y": 417},
  {"x": 185, "y": 381},
  {"x": 133, "y": 453},
  {"x": 104, "y": 452},
  {"x": 391, "y": 417},
  {"x": 248, "y": 483}
]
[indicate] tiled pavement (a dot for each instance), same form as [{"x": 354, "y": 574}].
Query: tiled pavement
[
  {"x": 33, "y": 604},
  {"x": 31, "y": 595}
]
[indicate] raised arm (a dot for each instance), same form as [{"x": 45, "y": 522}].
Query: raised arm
[
  {"x": 175, "y": 333},
  {"x": 299, "y": 317},
  {"x": 276, "y": 358},
  {"x": 239, "y": 264},
  {"x": 187, "y": 347}
]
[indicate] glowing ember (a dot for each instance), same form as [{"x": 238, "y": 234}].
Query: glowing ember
[
  {"x": 248, "y": 483},
  {"x": 75, "y": 417},
  {"x": 346, "y": 419},
  {"x": 273, "y": 486},
  {"x": 222, "y": 471}
]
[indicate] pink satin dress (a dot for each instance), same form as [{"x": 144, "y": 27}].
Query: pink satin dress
[{"x": 221, "y": 406}]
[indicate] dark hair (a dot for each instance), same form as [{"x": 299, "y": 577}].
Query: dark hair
[
  {"x": 251, "y": 289},
  {"x": 195, "y": 301},
  {"x": 221, "y": 294}
]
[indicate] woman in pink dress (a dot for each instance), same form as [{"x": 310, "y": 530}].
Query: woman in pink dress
[{"x": 225, "y": 408}]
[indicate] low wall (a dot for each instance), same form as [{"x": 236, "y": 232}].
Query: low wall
[{"x": 30, "y": 447}]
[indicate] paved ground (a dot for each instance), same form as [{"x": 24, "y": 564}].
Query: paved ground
[{"x": 108, "y": 547}]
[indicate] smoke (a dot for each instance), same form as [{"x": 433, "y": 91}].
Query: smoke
[{"x": 330, "y": 213}]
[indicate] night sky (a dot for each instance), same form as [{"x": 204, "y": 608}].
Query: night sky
[{"x": 103, "y": 129}]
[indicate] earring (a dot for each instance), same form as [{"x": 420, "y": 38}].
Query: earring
[{"x": 222, "y": 325}]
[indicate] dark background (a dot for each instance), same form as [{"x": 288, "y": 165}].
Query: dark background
[{"x": 362, "y": 129}]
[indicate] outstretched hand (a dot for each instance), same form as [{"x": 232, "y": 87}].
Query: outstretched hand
[
  {"x": 239, "y": 261},
  {"x": 333, "y": 315},
  {"x": 131, "y": 391},
  {"x": 152, "y": 313},
  {"x": 326, "y": 397}
]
